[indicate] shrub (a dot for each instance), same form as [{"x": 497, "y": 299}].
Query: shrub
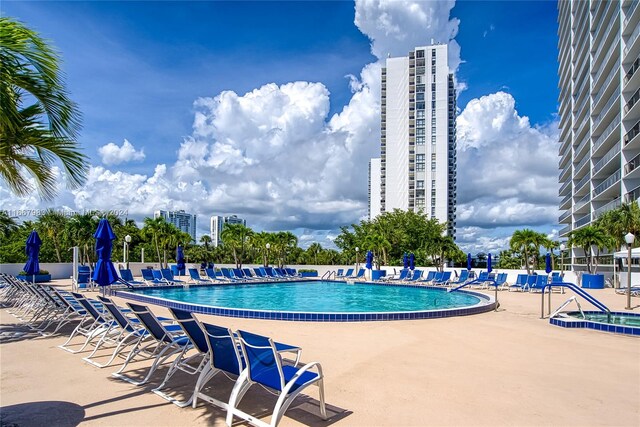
[{"x": 307, "y": 270}]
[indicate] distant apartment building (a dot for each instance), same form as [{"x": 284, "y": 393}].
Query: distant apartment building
[
  {"x": 217, "y": 222},
  {"x": 184, "y": 221},
  {"x": 375, "y": 182},
  {"x": 418, "y": 137},
  {"x": 599, "y": 47}
]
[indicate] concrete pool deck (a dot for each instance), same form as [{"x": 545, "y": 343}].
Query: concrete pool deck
[{"x": 494, "y": 369}]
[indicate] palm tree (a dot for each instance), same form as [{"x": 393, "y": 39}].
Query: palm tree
[
  {"x": 38, "y": 122},
  {"x": 236, "y": 237},
  {"x": 7, "y": 224},
  {"x": 206, "y": 239},
  {"x": 157, "y": 229},
  {"x": 314, "y": 249},
  {"x": 283, "y": 242},
  {"x": 49, "y": 224},
  {"x": 591, "y": 239},
  {"x": 524, "y": 241}
]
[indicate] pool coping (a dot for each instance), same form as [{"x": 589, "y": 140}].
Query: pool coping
[
  {"x": 487, "y": 303},
  {"x": 566, "y": 322}
]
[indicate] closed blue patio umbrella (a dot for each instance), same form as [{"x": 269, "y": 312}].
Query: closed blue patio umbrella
[
  {"x": 489, "y": 268},
  {"x": 32, "y": 267},
  {"x": 369, "y": 259},
  {"x": 405, "y": 260},
  {"x": 547, "y": 266},
  {"x": 180, "y": 260},
  {"x": 105, "y": 273},
  {"x": 412, "y": 261},
  {"x": 469, "y": 261}
]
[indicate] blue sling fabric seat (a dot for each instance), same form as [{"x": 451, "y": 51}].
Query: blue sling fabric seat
[{"x": 265, "y": 367}]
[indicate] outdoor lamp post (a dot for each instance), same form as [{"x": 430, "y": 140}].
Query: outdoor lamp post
[
  {"x": 629, "y": 238},
  {"x": 357, "y": 249},
  {"x": 127, "y": 240},
  {"x": 268, "y": 245}
]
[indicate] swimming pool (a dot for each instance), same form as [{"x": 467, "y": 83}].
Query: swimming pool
[
  {"x": 617, "y": 323},
  {"x": 317, "y": 301}
]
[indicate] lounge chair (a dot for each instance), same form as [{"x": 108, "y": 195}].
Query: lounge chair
[
  {"x": 430, "y": 276},
  {"x": 417, "y": 274},
  {"x": 360, "y": 274},
  {"x": 227, "y": 273},
  {"x": 265, "y": 367},
  {"x": 444, "y": 279},
  {"x": 402, "y": 275},
  {"x": 520, "y": 284},
  {"x": 248, "y": 274},
  {"x": 348, "y": 273},
  {"x": 91, "y": 327},
  {"x": 192, "y": 364},
  {"x": 539, "y": 284},
  {"x": 127, "y": 276},
  {"x": 340, "y": 273},
  {"x": 167, "y": 275},
  {"x": 149, "y": 277},
  {"x": 194, "y": 274},
  {"x": 168, "y": 341},
  {"x": 211, "y": 274},
  {"x": 462, "y": 278},
  {"x": 128, "y": 332}
]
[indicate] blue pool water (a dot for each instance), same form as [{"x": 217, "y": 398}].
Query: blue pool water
[{"x": 317, "y": 297}]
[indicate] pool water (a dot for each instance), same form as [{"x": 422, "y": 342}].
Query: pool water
[
  {"x": 615, "y": 319},
  {"x": 317, "y": 297}
]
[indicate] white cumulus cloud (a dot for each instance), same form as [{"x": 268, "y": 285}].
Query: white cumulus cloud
[{"x": 113, "y": 154}]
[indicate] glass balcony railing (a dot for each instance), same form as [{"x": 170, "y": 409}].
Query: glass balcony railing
[
  {"x": 606, "y": 208},
  {"x": 629, "y": 105},
  {"x": 564, "y": 216},
  {"x": 582, "y": 221},
  {"x": 605, "y": 134},
  {"x": 565, "y": 230},
  {"x": 630, "y": 10},
  {"x": 607, "y": 81},
  {"x": 614, "y": 97},
  {"x": 635, "y": 130},
  {"x": 584, "y": 160},
  {"x": 632, "y": 70},
  {"x": 601, "y": 68},
  {"x": 632, "y": 195},
  {"x": 582, "y": 182},
  {"x": 632, "y": 40},
  {"x": 632, "y": 165},
  {"x": 615, "y": 177},
  {"x": 605, "y": 159}
]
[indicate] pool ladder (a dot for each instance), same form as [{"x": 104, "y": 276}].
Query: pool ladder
[
  {"x": 566, "y": 303},
  {"x": 327, "y": 275}
]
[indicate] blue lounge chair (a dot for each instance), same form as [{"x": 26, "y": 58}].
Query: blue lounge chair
[
  {"x": 228, "y": 274},
  {"x": 402, "y": 275},
  {"x": 444, "y": 279},
  {"x": 265, "y": 367},
  {"x": 520, "y": 284},
  {"x": 261, "y": 273},
  {"x": 128, "y": 332},
  {"x": 360, "y": 274},
  {"x": 348, "y": 273},
  {"x": 211, "y": 274},
  {"x": 167, "y": 341},
  {"x": 194, "y": 274},
  {"x": 538, "y": 285},
  {"x": 462, "y": 278},
  {"x": 417, "y": 274},
  {"x": 127, "y": 276},
  {"x": 340, "y": 273},
  {"x": 167, "y": 275},
  {"x": 248, "y": 274},
  {"x": 149, "y": 277},
  {"x": 430, "y": 276},
  {"x": 501, "y": 280},
  {"x": 190, "y": 364}
]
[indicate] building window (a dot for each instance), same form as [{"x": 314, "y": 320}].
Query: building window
[
  {"x": 420, "y": 131},
  {"x": 420, "y": 96},
  {"x": 419, "y": 140},
  {"x": 433, "y": 103},
  {"x": 419, "y": 157},
  {"x": 420, "y": 105},
  {"x": 433, "y": 53},
  {"x": 420, "y": 123},
  {"x": 433, "y": 167},
  {"x": 419, "y": 167},
  {"x": 419, "y": 79},
  {"x": 420, "y": 88},
  {"x": 420, "y": 184},
  {"x": 420, "y": 54},
  {"x": 420, "y": 114},
  {"x": 433, "y": 211}
]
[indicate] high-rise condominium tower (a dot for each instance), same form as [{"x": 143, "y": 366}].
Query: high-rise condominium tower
[
  {"x": 598, "y": 48},
  {"x": 418, "y": 137},
  {"x": 182, "y": 220},
  {"x": 217, "y": 223}
]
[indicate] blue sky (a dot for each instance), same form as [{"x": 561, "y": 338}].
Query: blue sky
[{"x": 136, "y": 69}]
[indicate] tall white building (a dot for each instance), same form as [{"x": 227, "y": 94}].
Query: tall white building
[
  {"x": 217, "y": 222},
  {"x": 375, "y": 182},
  {"x": 599, "y": 47},
  {"x": 418, "y": 136},
  {"x": 184, "y": 221}
]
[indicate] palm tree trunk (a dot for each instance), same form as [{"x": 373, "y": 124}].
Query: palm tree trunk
[
  {"x": 155, "y": 238},
  {"x": 526, "y": 260}
]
